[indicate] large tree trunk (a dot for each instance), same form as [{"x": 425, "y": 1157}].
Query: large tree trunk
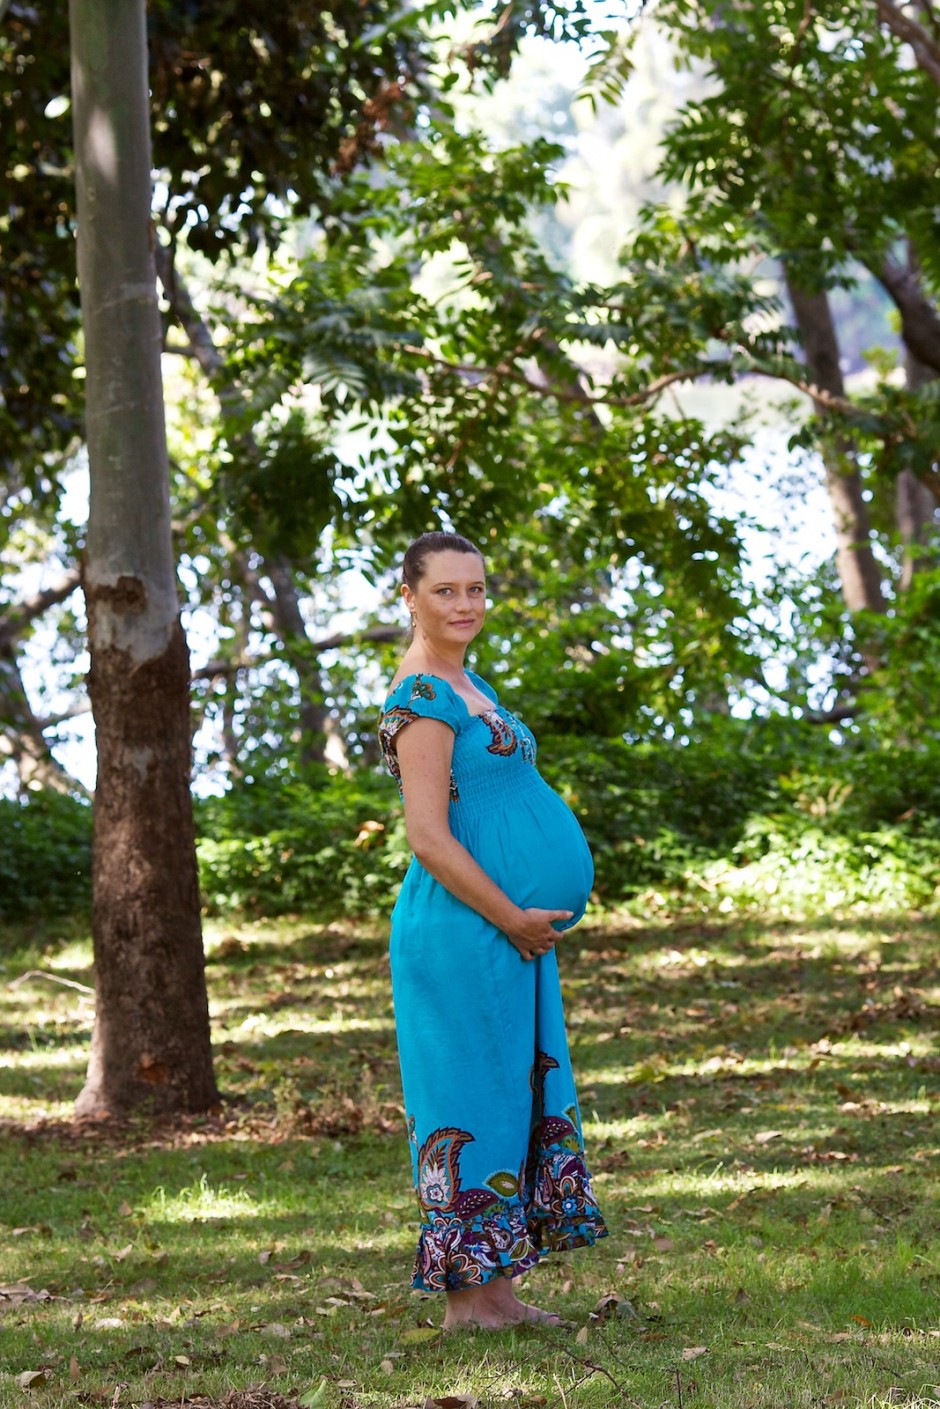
[
  {"x": 858, "y": 570},
  {"x": 150, "y": 1046}
]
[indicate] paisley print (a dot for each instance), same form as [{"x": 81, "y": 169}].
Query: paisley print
[
  {"x": 438, "y": 1180},
  {"x": 504, "y": 742},
  {"x": 508, "y": 1224}
]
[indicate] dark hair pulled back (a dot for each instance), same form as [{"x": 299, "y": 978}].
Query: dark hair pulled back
[{"x": 413, "y": 567}]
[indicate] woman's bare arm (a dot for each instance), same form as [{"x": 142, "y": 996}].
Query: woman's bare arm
[{"x": 425, "y": 749}]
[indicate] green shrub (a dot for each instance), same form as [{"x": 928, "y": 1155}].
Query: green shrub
[
  {"x": 45, "y": 857},
  {"x": 334, "y": 844},
  {"x": 757, "y": 813}
]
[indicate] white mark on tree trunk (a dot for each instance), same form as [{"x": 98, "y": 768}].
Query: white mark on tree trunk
[
  {"x": 140, "y": 760},
  {"x": 102, "y": 148}
]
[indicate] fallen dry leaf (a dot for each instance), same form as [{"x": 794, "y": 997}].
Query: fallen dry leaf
[
  {"x": 692, "y": 1352},
  {"x": 32, "y": 1379},
  {"x": 611, "y": 1306},
  {"x": 275, "y": 1328}
]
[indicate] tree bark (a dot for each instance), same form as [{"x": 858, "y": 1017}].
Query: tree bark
[
  {"x": 150, "y": 1046},
  {"x": 915, "y": 506},
  {"x": 920, "y": 321},
  {"x": 903, "y": 26},
  {"x": 858, "y": 571}
]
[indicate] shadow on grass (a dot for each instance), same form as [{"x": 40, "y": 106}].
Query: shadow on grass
[{"x": 760, "y": 1102}]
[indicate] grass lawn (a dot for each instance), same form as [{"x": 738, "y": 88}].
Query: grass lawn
[{"x": 761, "y": 1106}]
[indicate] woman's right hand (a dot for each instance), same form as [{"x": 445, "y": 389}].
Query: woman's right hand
[{"x": 534, "y": 932}]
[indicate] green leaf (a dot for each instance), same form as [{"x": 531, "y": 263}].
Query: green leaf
[{"x": 315, "y": 1395}]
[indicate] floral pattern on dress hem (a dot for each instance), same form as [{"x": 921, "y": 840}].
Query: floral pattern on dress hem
[
  {"x": 455, "y": 1253},
  {"x": 470, "y": 1236}
]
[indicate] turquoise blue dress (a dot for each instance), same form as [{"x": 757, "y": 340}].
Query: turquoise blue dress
[{"x": 492, "y": 1111}]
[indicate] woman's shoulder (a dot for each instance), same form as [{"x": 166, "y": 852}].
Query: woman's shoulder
[
  {"x": 418, "y": 685},
  {"x": 421, "y": 696}
]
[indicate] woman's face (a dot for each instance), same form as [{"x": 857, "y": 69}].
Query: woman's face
[{"x": 449, "y": 602}]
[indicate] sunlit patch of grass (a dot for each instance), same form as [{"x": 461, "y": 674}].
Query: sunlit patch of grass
[
  {"x": 201, "y": 1200},
  {"x": 761, "y": 1111}
]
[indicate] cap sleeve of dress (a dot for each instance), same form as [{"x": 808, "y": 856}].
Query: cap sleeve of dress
[{"x": 417, "y": 697}]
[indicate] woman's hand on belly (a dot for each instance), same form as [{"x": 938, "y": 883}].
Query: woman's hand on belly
[{"x": 534, "y": 933}]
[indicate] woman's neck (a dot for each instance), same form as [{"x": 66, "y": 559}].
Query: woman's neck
[{"x": 420, "y": 658}]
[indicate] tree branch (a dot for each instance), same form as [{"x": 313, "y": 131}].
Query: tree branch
[
  {"x": 904, "y": 27},
  {"x": 920, "y": 322},
  {"x": 570, "y": 392},
  {"x": 201, "y": 344},
  {"x": 19, "y": 617},
  {"x": 837, "y": 715},
  {"x": 216, "y": 668}
]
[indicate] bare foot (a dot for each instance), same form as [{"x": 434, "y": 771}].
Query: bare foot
[
  {"x": 494, "y": 1306},
  {"x": 542, "y": 1318}
]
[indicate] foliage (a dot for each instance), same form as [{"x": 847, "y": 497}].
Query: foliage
[
  {"x": 823, "y": 157},
  {"x": 45, "y": 860},
  {"x": 326, "y": 842},
  {"x": 748, "y": 811},
  {"x": 745, "y": 813},
  {"x": 392, "y": 345},
  {"x": 760, "y": 1108},
  {"x": 906, "y": 704}
]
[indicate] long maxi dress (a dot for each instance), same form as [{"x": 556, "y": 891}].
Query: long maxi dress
[{"x": 492, "y": 1111}]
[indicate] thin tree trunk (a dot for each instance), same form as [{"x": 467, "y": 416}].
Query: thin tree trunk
[
  {"x": 916, "y": 507},
  {"x": 150, "y": 1046},
  {"x": 292, "y": 629},
  {"x": 858, "y": 570},
  {"x": 286, "y": 614},
  {"x": 21, "y": 736},
  {"x": 920, "y": 320}
]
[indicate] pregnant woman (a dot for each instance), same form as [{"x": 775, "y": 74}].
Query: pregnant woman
[{"x": 500, "y": 869}]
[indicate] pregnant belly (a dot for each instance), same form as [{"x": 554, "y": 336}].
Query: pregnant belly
[{"x": 537, "y": 854}]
